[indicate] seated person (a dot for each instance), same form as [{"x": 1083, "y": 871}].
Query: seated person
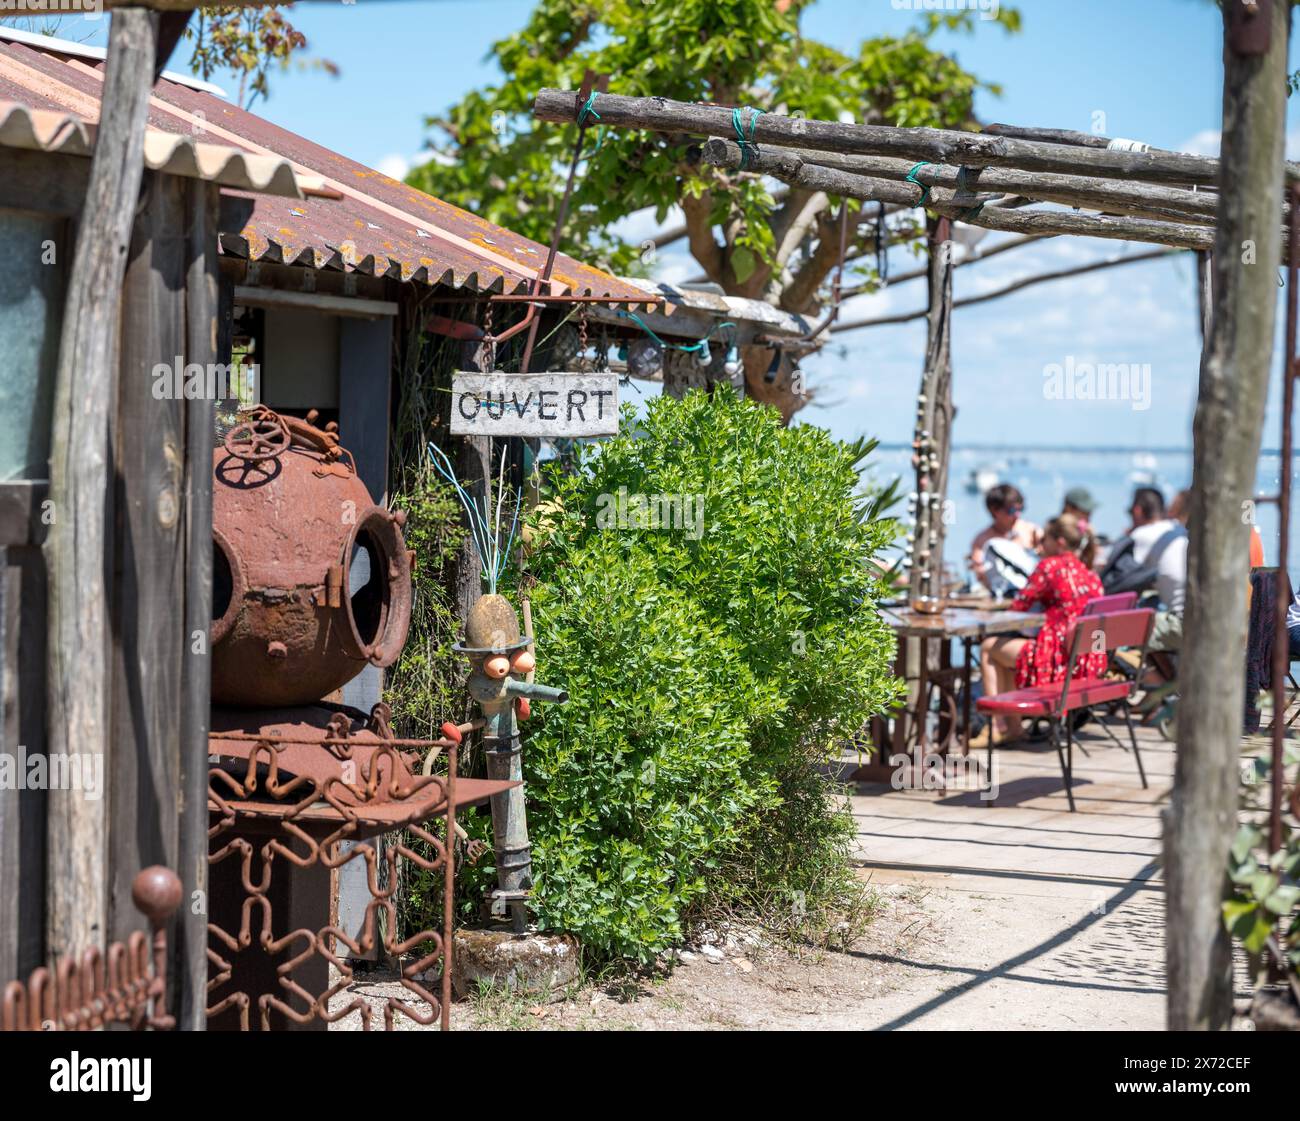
[
  {"x": 1005, "y": 505},
  {"x": 1062, "y": 584},
  {"x": 1080, "y": 503},
  {"x": 1132, "y": 562},
  {"x": 1151, "y": 525}
]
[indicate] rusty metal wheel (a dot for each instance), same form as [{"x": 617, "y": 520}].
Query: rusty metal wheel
[{"x": 261, "y": 437}]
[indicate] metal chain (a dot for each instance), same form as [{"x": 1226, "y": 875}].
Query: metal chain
[{"x": 489, "y": 339}]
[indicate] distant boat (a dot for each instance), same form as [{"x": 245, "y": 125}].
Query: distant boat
[
  {"x": 984, "y": 478},
  {"x": 1144, "y": 473}
]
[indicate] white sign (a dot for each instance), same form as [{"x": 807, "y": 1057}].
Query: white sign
[{"x": 554, "y": 404}]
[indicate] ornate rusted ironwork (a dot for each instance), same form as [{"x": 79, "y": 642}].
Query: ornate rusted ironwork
[
  {"x": 304, "y": 792},
  {"x": 125, "y": 985}
]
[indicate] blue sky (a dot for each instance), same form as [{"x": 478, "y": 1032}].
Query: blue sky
[{"x": 1152, "y": 68}]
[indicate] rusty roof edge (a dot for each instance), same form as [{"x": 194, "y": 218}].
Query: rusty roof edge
[{"x": 693, "y": 313}]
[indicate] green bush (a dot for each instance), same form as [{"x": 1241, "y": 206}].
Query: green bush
[
  {"x": 642, "y": 781},
  {"x": 724, "y": 658}
]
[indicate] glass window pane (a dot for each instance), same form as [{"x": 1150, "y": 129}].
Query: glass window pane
[{"x": 31, "y": 313}]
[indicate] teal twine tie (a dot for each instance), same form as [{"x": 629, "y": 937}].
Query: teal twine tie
[
  {"x": 925, "y": 191},
  {"x": 589, "y": 110},
  {"x": 746, "y": 143}
]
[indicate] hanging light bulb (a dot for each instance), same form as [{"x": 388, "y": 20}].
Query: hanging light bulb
[
  {"x": 622, "y": 351},
  {"x": 731, "y": 365},
  {"x": 704, "y": 356}
]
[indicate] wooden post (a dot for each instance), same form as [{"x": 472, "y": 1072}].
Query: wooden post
[
  {"x": 1202, "y": 815},
  {"x": 933, "y": 435},
  {"x": 201, "y": 301},
  {"x": 79, "y": 475}
]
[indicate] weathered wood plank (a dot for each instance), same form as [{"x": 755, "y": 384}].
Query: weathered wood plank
[
  {"x": 960, "y": 205},
  {"x": 1113, "y": 196},
  {"x": 974, "y": 149},
  {"x": 22, "y": 736},
  {"x": 201, "y": 345},
  {"x": 86, "y": 388},
  {"x": 149, "y": 587},
  {"x": 21, "y": 509},
  {"x": 555, "y": 404}
]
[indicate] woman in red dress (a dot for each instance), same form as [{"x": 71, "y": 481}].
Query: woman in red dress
[{"x": 1061, "y": 585}]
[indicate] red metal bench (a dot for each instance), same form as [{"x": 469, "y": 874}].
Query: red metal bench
[{"x": 1092, "y": 634}]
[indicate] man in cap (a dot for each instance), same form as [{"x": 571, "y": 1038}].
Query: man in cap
[{"x": 1080, "y": 503}]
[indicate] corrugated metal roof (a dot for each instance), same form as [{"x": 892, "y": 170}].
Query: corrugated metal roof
[
  {"x": 51, "y": 130},
  {"x": 380, "y": 227}
]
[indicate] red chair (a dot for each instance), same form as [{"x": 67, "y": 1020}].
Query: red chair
[
  {"x": 1092, "y": 634},
  {"x": 1104, "y": 605}
]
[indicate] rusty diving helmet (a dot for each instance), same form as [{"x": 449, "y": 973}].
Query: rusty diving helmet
[{"x": 311, "y": 580}]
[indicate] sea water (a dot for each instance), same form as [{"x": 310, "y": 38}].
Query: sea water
[{"x": 1044, "y": 474}]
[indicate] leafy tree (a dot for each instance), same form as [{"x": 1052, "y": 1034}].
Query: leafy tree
[
  {"x": 780, "y": 246},
  {"x": 247, "y": 43}
]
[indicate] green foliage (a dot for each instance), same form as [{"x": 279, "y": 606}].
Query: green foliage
[
  {"x": 1264, "y": 896},
  {"x": 424, "y": 686},
  {"x": 247, "y": 44},
  {"x": 711, "y": 667},
  {"x": 508, "y": 169},
  {"x": 639, "y": 784},
  {"x": 1264, "y": 892},
  {"x": 427, "y": 685}
]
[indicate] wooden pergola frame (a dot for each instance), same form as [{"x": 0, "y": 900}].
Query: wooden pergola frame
[{"x": 1117, "y": 190}]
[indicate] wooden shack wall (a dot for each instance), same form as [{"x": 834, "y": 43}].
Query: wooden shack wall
[{"x": 159, "y": 521}]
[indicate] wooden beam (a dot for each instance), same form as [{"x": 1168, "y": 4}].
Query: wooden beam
[
  {"x": 1235, "y": 370},
  {"x": 1112, "y": 196},
  {"x": 85, "y": 389},
  {"x": 256, "y": 296},
  {"x": 1014, "y": 286},
  {"x": 973, "y": 149},
  {"x": 959, "y": 205},
  {"x": 1050, "y": 135}
]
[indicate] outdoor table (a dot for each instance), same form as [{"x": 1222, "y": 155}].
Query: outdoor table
[{"x": 970, "y": 624}]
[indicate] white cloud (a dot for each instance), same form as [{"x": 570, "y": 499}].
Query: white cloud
[
  {"x": 1208, "y": 140},
  {"x": 394, "y": 166}
]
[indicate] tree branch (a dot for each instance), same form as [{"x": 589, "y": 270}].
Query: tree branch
[{"x": 699, "y": 234}]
